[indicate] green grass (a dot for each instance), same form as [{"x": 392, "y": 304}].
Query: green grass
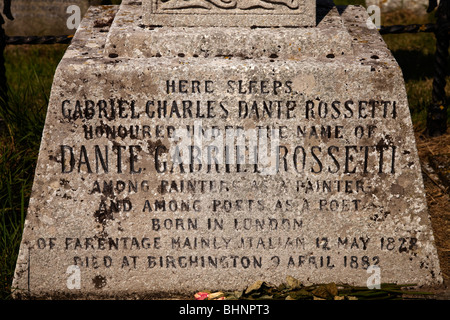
[{"x": 30, "y": 71}]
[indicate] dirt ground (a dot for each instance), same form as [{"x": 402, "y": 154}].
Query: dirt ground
[{"x": 434, "y": 156}]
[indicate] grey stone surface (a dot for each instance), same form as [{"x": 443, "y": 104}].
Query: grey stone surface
[
  {"x": 126, "y": 213},
  {"x": 233, "y": 13},
  {"x": 42, "y": 17}
]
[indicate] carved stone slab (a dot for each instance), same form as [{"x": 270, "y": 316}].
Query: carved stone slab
[{"x": 229, "y": 13}]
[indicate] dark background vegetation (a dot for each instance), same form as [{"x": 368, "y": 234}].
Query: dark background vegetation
[{"x": 30, "y": 70}]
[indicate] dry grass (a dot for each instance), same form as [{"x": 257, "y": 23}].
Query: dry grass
[{"x": 438, "y": 197}]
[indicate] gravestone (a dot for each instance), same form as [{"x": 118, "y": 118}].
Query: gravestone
[
  {"x": 43, "y": 17},
  {"x": 178, "y": 158}
]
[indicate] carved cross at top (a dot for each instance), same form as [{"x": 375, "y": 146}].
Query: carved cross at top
[{"x": 222, "y": 13}]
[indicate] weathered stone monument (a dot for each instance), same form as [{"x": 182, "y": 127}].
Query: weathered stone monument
[
  {"x": 43, "y": 17},
  {"x": 197, "y": 145}
]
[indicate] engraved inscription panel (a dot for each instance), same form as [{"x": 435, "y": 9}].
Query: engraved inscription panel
[{"x": 215, "y": 177}]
